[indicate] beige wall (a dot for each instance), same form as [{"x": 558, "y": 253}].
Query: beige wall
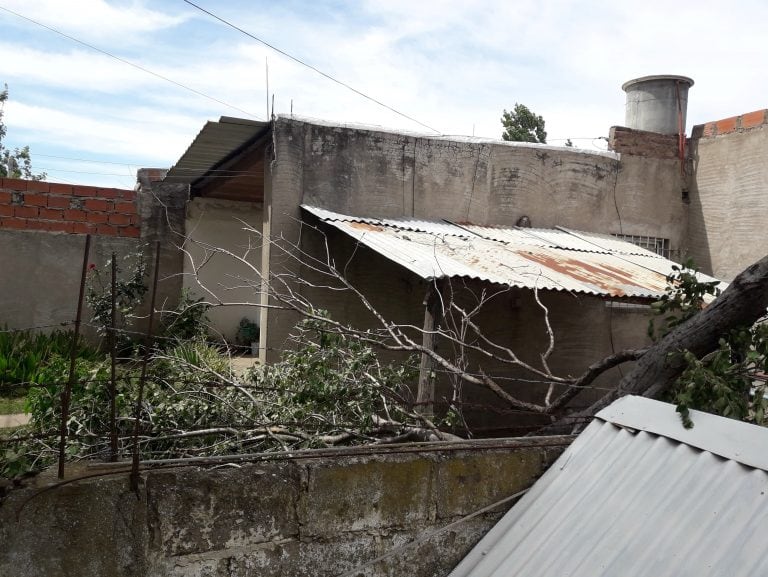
[
  {"x": 219, "y": 278},
  {"x": 729, "y": 201},
  {"x": 380, "y": 174}
]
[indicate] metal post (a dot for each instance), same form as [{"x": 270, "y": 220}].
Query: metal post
[
  {"x": 433, "y": 309},
  {"x": 66, "y": 394},
  {"x": 113, "y": 362},
  {"x": 143, "y": 378}
]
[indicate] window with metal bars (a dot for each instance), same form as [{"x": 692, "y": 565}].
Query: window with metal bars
[{"x": 653, "y": 243}]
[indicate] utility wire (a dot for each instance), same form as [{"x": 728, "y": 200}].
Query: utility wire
[
  {"x": 129, "y": 63},
  {"x": 299, "y": 61}
]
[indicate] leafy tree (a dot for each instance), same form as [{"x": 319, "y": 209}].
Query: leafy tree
[
  {"x": 523, "y": 125},
  {"x": 16, "y": 163}
]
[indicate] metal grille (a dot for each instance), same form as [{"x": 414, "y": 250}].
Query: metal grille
[{"x": 653, "y": 243}]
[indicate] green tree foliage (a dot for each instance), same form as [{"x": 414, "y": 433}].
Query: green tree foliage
[
  {"x": 729, "y": 381},
  {"x": 17, "y": 162},
  {"x": 523, "y": 125}
]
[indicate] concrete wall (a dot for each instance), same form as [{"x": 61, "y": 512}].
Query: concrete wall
[
  {"x": 296, "y": 517},
  {"x": 42, "y": 239},
  {"x": 220, "y": 223},
  {"x": 729, "y": 212},
  {"x": 586, "y": 328},
  {"x": 379, "y": 174}
]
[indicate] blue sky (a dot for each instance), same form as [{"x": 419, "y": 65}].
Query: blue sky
[{"x": 454, "y": 65}]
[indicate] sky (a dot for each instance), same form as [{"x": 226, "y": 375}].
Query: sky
[{"x": 447, "y": 66}]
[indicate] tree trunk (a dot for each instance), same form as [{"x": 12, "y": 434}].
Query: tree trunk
[{"x": 742, "y": 304}]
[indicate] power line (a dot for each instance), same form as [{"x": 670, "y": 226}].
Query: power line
[
  {"x": 299, "y": 61},
  {"x": 129, "y": 63}
]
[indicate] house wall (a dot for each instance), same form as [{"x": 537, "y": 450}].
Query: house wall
[
  {"x": 42, "y": 240},
  {"x": 729, "y": 212},
  {"x": 290, "y": 517},
  {"x": 214, "y": 223},
  {"x": 586, "y": 329},
  {"x": 379, "y": 174}
]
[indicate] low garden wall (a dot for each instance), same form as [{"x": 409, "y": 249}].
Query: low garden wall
[{"x": 313, "y": 513}]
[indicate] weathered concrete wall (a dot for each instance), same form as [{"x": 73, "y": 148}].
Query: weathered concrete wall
[
  {"x": 42, "y": 243},
  {"x": 586, "y": 329},
  {"x": 220, "y": 223},
  {"x": 379, "y": 174},
  {"x": 294, "y": 517},
  {"x": 728, "y": 212}
]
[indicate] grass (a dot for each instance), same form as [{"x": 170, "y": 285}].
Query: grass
[{"x": 11, "y": 405}]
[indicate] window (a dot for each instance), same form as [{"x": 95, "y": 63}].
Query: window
[{"x": 654, "y": 244}]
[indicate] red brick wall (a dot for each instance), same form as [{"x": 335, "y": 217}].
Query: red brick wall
[
  {"x": 74, "y": 209},
  {"x": 740, "y": 123}
]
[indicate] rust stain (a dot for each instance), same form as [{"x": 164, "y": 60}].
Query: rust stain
[
  {"x": 366, "y": 226},
  {"x": 608, "y": 278}
]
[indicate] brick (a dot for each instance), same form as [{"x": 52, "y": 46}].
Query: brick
[
  {"x": 83, "y": 228},
  {"x": 61, "y": 226},
  {"x": 38, "y": 186},
  {"x": 752, "y": 119},
  {"x": 120, "y": 219},
  {"x": 77, "y": 215},
  {"x": 59, "y": 202},
  {"x": 129, "y": 194},
  {"x": 6, "y": 210},
  {"x": 25, "y": 211},
  {"x": 96, "y": 204},
  {"x": 57, "y": 188},
  {"x": 17, "y": 223},
  {"x": 110, "y": 193},
  {"x": 106, "y": 229},
  {"x": 726, "y": 125},
  {"x": 49, "y": 214},
  {"x": 5, "y": 197},
  {"x": 125, "y": 207},
  {"x": 37, "y": 225},
  {"x": 91, "y": 191},
  {"x": 132, "y": 231},
  {"x": 97, "y": 217},
  {"x": 15, "y": 183},
  {"x": 134, "y": 220},
  {"x": 709, "y": 129},
  {"x": 36, "y": 199}
]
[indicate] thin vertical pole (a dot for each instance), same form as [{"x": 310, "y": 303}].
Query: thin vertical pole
[
  {"x": 433, "y": 311},
  {"x": 143, "y": 378},
  {"x": 66, "y": 394},
  {"x": 113, "y": 362}
]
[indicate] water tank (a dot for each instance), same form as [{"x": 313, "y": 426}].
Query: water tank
[{"x": 657, "y": 103}]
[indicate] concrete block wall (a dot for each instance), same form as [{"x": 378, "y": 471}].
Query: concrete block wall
[
  {"x": 728, "y": 211},
  {"x": 73, "y": 209},
  {"x": 312, "y": 515}
]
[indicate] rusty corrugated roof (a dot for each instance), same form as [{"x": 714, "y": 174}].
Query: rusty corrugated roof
[{"x": 547, "y": 259}]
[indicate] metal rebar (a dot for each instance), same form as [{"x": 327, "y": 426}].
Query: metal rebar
[
  {"x": 143, "y": 378},
  {"x": 66, "y": 394},
  {"x": 113, "y": 362}
]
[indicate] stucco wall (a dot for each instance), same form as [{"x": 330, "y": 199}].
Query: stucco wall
[
  {"x": 293, "y": 517},
  {"x": 42, "y": 242},
  {"x": 213, "y": 223},
  {"x": 375, "y": 173},
  {"x": 729, "y": 212}
]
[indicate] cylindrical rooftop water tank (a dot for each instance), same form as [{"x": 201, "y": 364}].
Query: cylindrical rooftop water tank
[{"x": 657, "y": 103}]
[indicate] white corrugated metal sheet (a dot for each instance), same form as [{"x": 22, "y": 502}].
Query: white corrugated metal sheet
[
  {"x": 528, "y": 258},
  {"x": 637, "y": 495}
]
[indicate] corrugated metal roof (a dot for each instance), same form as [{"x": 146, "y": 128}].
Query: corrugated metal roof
[
  {"x": 215, "y": 142},
  {"x": 528, "y": 258},
  {"x": 637, "y": 495}
]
